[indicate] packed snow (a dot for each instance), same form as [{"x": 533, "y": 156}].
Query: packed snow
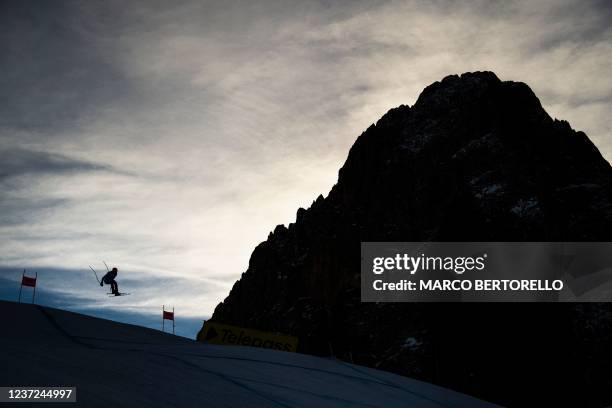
[{"x": 114, "y": 365}]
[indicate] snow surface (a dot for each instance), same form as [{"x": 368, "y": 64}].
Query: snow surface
[{"x": 119, "y": 365}]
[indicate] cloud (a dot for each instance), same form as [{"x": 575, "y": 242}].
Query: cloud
[
  {"x": 18, "y": 161},
  {"x": 56, "y": 66}
]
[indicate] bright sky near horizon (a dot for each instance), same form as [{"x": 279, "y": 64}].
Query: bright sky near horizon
[{"x": 169, "y": 138}]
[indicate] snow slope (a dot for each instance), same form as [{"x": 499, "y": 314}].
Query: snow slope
[{"x": 114, "y": 364}]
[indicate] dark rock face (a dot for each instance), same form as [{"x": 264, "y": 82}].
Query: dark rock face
[{"x": 475, "y": 159}]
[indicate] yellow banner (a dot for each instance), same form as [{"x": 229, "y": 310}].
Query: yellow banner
[{"x": 217, "y": 333}]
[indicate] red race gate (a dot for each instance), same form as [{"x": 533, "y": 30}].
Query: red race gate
[
  {"x": 28, "y": 281},
  {"x": 167, "y": 315}
]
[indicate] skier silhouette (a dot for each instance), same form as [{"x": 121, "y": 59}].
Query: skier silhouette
[{"x": 109, "y": 279}]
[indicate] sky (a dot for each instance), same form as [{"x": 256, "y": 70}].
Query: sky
[{"x": 169, "y": 138}]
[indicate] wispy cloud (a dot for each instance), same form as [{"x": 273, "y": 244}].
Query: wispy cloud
[{"x": 19, "y": 161}]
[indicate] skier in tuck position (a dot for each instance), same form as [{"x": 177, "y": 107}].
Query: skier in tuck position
[{"x": 109, "y": 279}]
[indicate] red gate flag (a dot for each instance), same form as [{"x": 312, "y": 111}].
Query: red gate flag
[
  {"x": 27, "y": 281},
  {"x": 168, "y": 315}
]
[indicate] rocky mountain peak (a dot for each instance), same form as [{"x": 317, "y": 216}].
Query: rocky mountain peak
[{"x": 475, "y": 159}]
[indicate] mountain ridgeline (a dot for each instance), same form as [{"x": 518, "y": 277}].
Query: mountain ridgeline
[{"x": 475, "y": 159}]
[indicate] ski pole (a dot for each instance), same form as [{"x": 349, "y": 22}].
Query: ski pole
[{"x": 92, "y": 269}]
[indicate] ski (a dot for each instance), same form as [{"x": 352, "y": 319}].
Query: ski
[{"x": 120, "y": 294}]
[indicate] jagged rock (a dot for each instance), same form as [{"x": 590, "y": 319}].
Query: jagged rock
[{"x": 475, "y": 159}]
